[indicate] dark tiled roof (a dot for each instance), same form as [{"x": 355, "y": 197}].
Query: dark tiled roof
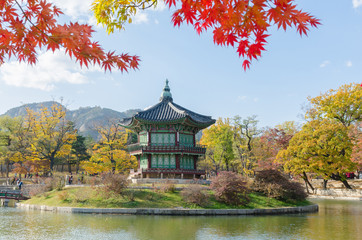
[{"x": 166, "y": 111}]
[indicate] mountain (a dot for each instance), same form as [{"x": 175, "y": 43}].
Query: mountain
[{"x": 85, "y": 118}]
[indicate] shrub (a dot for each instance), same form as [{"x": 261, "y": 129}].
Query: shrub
[
  {"x": 274, "y": 184},
  {"x": 115, "y": 183},
  {"x": 63, "y": 196},
  {"x": 195, "y": 194},
  {"x": 166, "y": 186},
  {"x": 230, "y": 188},
  {"x": 55, "y": 182}
]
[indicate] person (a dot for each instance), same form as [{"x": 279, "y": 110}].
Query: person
[{"x": 20, "y": 184}]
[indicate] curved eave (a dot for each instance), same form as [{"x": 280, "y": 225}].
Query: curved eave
[
  {"x": 200, "y": 125},
  {"x": 134, "y": 123}
]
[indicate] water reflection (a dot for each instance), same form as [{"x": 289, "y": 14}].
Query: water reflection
[{"x": 335, "y": 220}]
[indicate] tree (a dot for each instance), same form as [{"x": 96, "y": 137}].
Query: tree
[
  {"x": 29, "y": 25},
  {"x": 343, "y": 105},
  {"x": 14, "y": 141},
  {"x": 51, "y": 135},
  {"x": 109, "y": 154},
  {"x": 270, "y": 143},
  {"x": 79, "y": 150},
  {"x": 243, "y": 24},
  {"x": 219, "y": 141},
  {"x": 322, "y": 147},
  {"x": 245, "y": 132},
  {"x": 356, "y": 136}
]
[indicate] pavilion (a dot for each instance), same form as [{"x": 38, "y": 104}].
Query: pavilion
[{"x": 166, "y": 146}]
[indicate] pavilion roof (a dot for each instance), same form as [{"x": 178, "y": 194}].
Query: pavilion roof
[{"x": 167, "y": 111}]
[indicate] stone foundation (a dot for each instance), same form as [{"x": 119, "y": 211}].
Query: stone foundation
[{"x": 174, "y": 211}]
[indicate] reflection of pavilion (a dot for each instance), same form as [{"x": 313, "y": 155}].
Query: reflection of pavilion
[{"x": 166, "y": 139}]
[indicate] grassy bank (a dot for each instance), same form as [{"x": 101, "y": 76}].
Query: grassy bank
[{"x": 96, "y": 197}]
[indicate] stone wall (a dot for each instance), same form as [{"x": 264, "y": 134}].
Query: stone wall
[
  {"x": 336, "y": 190},
  {"x": 173, "y": 211}
]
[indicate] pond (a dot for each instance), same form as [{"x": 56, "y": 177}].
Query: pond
[{"x": 335, "y": 220}]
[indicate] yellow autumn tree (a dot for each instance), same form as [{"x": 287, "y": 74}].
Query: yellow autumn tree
[
  {"x": 109, "y": 154},
  {"x": 51, "y": 136},
  {"x": 322, "y": 147},
  {"x": 343, "y": 105},
  {"x": 13, "y": 143}
]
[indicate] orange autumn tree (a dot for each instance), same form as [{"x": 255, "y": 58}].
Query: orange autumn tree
[
  {"x": 243, "y": 24},
  {"x": 26, "y": 26}
]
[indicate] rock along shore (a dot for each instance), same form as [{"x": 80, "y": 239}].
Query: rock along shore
[{"x": 173, "y": 211}]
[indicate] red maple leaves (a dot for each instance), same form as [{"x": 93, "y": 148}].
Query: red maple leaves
[
  {"x": 241, "y": 23},
  {"x": 26, "y": 26}
]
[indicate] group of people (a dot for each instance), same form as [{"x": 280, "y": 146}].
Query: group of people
[{"x": 18, "y": 182}]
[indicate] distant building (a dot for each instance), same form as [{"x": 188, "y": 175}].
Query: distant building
[{"x": 166, "y": 146}]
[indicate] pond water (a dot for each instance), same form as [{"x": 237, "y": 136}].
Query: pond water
[{"x": 335, "y": 220}]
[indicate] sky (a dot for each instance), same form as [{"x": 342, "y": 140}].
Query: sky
[{"x": 203, "y": 77}]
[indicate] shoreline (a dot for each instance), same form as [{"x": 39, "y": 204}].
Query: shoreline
[{"x": 173, "y": 211}]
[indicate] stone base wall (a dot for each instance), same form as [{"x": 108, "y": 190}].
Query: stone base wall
[
  {"x": 336, "y": 190},
  {"x": 173, "y": 211},
  {"x": 352, "y": 194}
]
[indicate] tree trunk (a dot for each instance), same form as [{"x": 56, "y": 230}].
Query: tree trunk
[
  {"x": 339, "y": 178},
  {"x": 346, "y": 184},
  {"x": 7, "y": 162},
  {"x": 325, "y": 184},
  {"x": 69, "y": 167},
  {"x": 307, "y": 183}
]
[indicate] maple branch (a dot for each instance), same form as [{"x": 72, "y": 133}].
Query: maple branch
[
  {"x": 27, "y": 19},
  {"x": 142, "y": 3}
]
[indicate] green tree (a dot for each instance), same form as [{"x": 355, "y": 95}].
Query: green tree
[
  {"x": 79, "y": 151},
  {"x": 219, "y": 141},
  {"x": 245, "y": 132}
]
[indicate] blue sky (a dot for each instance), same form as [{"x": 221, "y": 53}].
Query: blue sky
[{"x": 203, "y": 77}]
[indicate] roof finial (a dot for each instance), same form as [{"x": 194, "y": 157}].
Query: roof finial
[{"x": 166, "y": 94}]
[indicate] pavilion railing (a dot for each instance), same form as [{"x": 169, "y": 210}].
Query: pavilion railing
[
  {"x": 176, "y": 171},
  {"x": 200, "y": 149}
]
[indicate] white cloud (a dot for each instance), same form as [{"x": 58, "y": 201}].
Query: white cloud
[
  {"x": 357, "y": 3},
  {"x": 324, "y": 64},
  {"x": 349, "y": 63},
  {"x": 242, "y": 98},
  {"x": 256, "y": 99},
  {"x": 74, "y": 8},
  {"x": 140, "y": 17},
  {"x": 51, "y": 69}
]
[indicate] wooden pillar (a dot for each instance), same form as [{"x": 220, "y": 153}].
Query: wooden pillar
[
  {"x": 149, "y": 138},
  {"x": 194, "y": 140},
  {"x": 149, "y": 161},
  {"x": 195, "y": 160},
  {"x": 177, "y": 161}
]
